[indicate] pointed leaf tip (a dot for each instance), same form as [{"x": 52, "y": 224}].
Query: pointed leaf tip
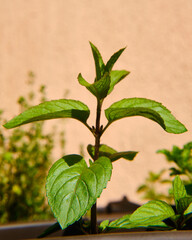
[
  {"x": 99, "y": 64},
  {"x": 113, "y": 60}
]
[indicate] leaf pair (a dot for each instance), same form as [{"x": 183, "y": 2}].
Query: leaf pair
[
  {"x": 66, "y": 108},
  {"x": 105, "y": 79},
  {"x": 100, "y": 67}
]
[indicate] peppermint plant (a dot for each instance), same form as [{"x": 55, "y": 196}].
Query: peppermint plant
[
  {"x": 73, "y": 186},
  {"x": 159, "y": 215}
]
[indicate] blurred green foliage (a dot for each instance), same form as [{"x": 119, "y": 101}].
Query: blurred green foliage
[
  {"x": 25, "y": 157},
  {"x": 181, "y": 160}
]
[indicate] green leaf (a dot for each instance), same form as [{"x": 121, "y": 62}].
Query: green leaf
[
  {"x": 109, "y": 152},
  {"x": 128, "y": 155},
  {"x": 155, "y": 210},
  {"x": 118, "y": 223},
  {"x": 103, "y": 225},
  {"x": 150, "y": 214},
  {"x": 105, "y": 85},
  {"x": 113, "y": 60},
  {"x": 188, "y": 210},
  {"x": 63, "y": 108},
  {"x": 99, "y": 65},
  {"x": 100, "y": 88},
  {"x": 73, "y": 187},
  {"x": 179, "y": 192},
  {"x": 167, "y": 154},
  {"x": 146, "y": 108},
  {"x": 116, "y": 77}
]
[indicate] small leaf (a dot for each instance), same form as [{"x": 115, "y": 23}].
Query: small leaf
[
  {"x": 99, "y": 65},
  {"x": 73, "y": 187},
  {"x": 150, "y": 215},
  {"x": 129, "y": 155},
  {"x": 63, "y": 108},
  {"x": 146, "y": 108},
  {"x": 113, "y": 60},
  {"x": 188, "y": 210},
  {"x": 109, "y": 152},
  {"x": 183, "y": 204},
  {"x": 100, "y": 88},
  {"x": 166, "y": 153},
  {"x": 104, "y": 150},
  {"x": 179, "y": 192},
  {"x": 116, "y": 77},
  {"x": 103, "y": 225}
]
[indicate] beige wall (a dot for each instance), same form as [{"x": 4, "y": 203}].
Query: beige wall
[{"x": 50, "y": 37}]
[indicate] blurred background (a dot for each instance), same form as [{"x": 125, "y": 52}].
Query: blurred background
[{"x": 47, "y": 43}]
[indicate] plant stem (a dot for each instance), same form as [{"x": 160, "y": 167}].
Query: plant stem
[
  {"x": 97, "y": 130},
  {"x": 94, "y": 219},
  {"x": 97, "y": 135}
]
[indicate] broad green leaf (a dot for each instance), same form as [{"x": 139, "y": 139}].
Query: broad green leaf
[
  {"x": 73, "y": 187},
  {"x": 113, "y": 60},
  {"x": 179, "y": 192},
  {"x": 100, "y": 88},
  {"x": 109, "y": 152},
  {"x": 154, "y": 210},
  {"x": 146, "y": 108},
  {"x": 116, "y": 77},
  {"x": 99, "y": 65},
  {"x": 150, "y": 215},
  {"x": 63, "y": 108}
]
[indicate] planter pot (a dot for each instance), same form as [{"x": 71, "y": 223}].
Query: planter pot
[
  {"x": 32, "y": 230},
  {"x": 25, "y": 230},
  {"x": 176, "y": 235}
]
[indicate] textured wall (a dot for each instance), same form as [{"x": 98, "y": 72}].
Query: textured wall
[{"x": 50, "y": 37}]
